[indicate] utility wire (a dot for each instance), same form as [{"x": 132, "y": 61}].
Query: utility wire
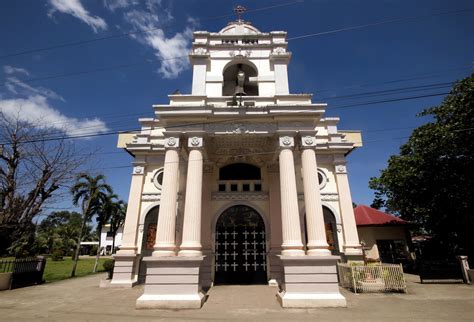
[
  {"x": 384, "y": 22},
  {"x": 134, "y": 32},
  {"x": 64, "y": 137}
]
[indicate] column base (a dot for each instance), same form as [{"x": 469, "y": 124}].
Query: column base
[
  {"x": 172, "y": 283},
  {"x": 125, "y": 271},
  {"x": 310, "y": 281}
]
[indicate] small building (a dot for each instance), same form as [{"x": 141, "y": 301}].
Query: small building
[
  {"x": 386, "y": 237},
  {"x": 107, "y": 239}
]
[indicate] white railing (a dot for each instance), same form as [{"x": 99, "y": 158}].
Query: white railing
[{"x": 372, "y": 278}]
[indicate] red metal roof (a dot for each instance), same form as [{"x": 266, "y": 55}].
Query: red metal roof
[{"x": 366, "y": 216}]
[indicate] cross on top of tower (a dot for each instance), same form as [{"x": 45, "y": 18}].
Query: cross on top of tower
[{"x": 239, "y": 10}]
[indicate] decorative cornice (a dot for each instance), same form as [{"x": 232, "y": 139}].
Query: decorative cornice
[{"x": 327, "y": 196}]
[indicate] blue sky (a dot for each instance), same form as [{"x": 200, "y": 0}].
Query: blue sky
[{"x": 123, "y": 76}]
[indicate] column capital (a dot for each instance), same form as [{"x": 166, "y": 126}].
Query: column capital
[
  {"x": 340, "y": 168},
  {"x": 308, "y": 142},
  {"x": 138, "y": 170},
  {"x": 172, "y": 142},
  {"x": 286, "y": 141},
  {"x": 195, "y": 142}
]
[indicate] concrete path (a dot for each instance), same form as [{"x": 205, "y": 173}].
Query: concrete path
[{"x": 81, "y": 299}]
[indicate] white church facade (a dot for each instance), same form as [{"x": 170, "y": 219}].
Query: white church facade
[{"x": 239, "y": 182}]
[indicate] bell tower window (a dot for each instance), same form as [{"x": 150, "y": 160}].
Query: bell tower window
[{"x": 237, "y": 80}]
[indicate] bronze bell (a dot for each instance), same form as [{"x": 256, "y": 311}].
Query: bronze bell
[{"x": 239, "y": 88}]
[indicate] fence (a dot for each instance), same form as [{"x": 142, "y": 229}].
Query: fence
[
  {"x": 373, "y": 278},
  {"x": 25, "y": 271}
]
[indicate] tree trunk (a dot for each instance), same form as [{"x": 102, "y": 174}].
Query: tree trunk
[
  {"x": 97, "y": 256},
  {"x": 113, "y": 241},
  {"x": 78, "y": 246}
]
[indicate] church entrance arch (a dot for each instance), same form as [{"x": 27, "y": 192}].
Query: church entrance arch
[
  {"x": 240, "y": 247},
  {"x": 148, "y": 240},
  {"x": 331, "y": 230}
]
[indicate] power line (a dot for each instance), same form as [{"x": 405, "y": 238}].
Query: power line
[
  {"x": 129, "y": 33},
  {"x": 357, "y": 95},
  {"x": 64, "y": 137},
  {"x": 391, "y": 91},
  {"x": 390, "y": 100},
  {"x": 384, "y": 22},
  {"x": 398, "y": 80}
]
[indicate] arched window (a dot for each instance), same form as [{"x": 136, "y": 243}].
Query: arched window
[{"x": 237, "y": 80}]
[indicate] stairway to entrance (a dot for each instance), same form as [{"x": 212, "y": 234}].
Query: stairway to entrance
[{"x": 242, "y": 298}]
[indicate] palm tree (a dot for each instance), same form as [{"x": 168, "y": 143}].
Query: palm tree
[
  {"x": 106, "y": 207},
  {"x": 88, "y": 191},
  {"x": 117, "y": 219}
]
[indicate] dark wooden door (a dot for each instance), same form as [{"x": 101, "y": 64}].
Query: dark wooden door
[{"x": 240, "y": 247}]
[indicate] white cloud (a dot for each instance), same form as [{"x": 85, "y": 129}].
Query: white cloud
[
  {"x": 17, "y": 87},
  {"x": 113, "y": 5},
  {"x": 76, "y": 9},
  {"x": 37, "y": 111},
  {"x": 12, "y": 70},
  {"x": 173, "y": 51},
  {"x": 32, "y": 105}
]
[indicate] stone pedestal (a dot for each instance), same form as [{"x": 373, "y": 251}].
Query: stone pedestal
[
  {"x": 125, "y": 270},
  {"x": 310, "y": 281},
  {"x": 172, "y": 283}
]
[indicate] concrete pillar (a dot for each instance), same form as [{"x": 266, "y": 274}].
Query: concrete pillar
[
  {"x": 317, "y": 243},
  {"x": 191, "y": 242},
  {"x": 126, "y": 258},
  {"x": 165, "y": 244},
  {"x": 351, "y": 239},
  {"x": 292, "y": 244}
]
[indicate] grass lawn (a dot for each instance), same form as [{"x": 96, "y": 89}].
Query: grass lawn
[{"x": 59, "y": 270}]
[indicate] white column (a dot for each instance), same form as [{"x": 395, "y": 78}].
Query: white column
[
  {"x": 191, "y": 243},
  {"x": 130, "y": 229},
  {"x": 317, "y": 243},
  {"x": 292, "y": 244},
  {"x": 351, "y": 238},
  {"x": 165, "y": 244}
]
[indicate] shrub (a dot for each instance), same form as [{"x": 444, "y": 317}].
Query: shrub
[
  {"x": 109, "y": 267},
  {"x": 93, "y": 251},
  {"x": 57, "y": 255}
]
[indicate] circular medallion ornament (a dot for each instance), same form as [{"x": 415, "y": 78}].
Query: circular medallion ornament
[
  {"x": 308, "y": 140},
  {"x": 195, "y": 141},
  {"x": 286, "y": 140},
  {"x": 171, "y": 141}
]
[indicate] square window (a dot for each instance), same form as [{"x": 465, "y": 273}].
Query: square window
[
  {"x": 258, "y": 187},
  {"x": 222, "y": 187},
  {"x": 233, "y": 187},
  {"x": 246, "y": 187}
]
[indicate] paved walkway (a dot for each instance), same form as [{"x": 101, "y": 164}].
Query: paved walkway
[{"x": 82, "y": 299}]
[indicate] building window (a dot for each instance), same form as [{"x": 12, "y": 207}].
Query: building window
[
  {"x": 158, "y": 178},
  {"x": 322, "y": 179}
]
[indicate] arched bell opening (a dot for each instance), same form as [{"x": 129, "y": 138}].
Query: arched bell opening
[
  {"x": 148, "y": 240},
  {"x": 240, "y": 247},
  {"x": 237, "y": 80}
]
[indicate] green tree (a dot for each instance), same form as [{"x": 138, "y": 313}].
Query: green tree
[
  {"x": 430, "y": 181},
  {"x": 88, "y": 191},
  {"x": 117, "y": 219},
  {"x": 104, "y": 211},
  {"x": 59, "y": 231}
]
